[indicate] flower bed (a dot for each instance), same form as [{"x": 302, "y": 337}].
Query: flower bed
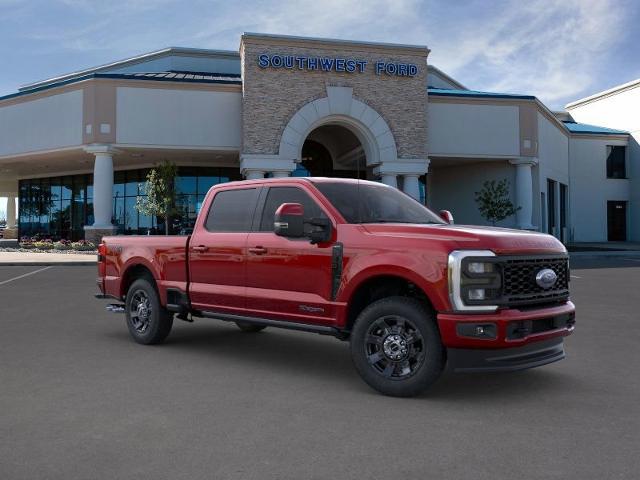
[{"x": 47, "y": 245}]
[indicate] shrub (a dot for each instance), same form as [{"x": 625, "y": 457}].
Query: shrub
[
  {"x": 62, "y": 245},
  {"x": 83, "y": 246},
  {"x": 43, "y": 244}
]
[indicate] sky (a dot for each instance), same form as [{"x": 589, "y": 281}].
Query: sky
[{"x": 558, "y": 50}]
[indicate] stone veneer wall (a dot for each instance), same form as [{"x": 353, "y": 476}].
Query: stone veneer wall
[{"x": 271, "y": 96}]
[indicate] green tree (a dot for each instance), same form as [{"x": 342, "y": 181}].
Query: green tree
[
  {"x": 493, "y": 201},
  {"x": 160, "y": 193}
]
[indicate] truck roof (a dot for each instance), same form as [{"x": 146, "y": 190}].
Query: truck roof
[{"x": 353, "y": 181}]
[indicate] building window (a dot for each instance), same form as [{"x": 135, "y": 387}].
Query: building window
[
  {"x": 616, "y": 161},
  {"x": 60, "y": 207},
  {"x": 551, "y": 206},
  {"x": 563, "y": 205}
]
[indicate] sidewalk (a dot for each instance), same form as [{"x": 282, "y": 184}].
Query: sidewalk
[
  {"x": 603, "y": 246},
  {"x": 606, "y": 249},
  {"x": 46, "y": 259}
]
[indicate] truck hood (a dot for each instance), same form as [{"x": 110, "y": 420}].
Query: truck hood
[{"x": 502, "y": 241}]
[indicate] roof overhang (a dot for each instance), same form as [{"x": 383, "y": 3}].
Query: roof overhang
[
  {"x": 145, "y": 57},
  {"x": 605, "y": 93}
]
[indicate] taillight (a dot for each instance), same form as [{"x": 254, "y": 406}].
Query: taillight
[{"x": 102, "y": 259}]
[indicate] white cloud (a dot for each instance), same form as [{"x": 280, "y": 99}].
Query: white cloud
[
  {"x": 554, "y": 49},
  {"x": 549, "y": 48}
]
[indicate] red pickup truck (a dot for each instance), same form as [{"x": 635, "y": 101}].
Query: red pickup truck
[{"x": 360, "y": 261}]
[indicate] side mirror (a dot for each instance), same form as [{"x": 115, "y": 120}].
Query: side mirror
[
  {"x": 446, "y": 216},
  {"x": 289, "y": 220},
  {"x": 320, "y": 230}
]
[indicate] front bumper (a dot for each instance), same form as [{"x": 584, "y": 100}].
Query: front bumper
[
  {"x": 506, "y": 340},
  {"x": 506, "y": 359},
  {"x": 506, "y": 328}
]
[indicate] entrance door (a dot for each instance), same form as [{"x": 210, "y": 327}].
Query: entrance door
[{"x": 617, "y": 221}]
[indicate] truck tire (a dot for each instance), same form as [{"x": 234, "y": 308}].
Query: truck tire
[
  {"x": 250, "y": 327},
  {"x": 396, "y": 347},
  {"x": 148, "y": 321}
]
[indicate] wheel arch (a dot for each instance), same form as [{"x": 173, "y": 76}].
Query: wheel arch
[
  {"x": 134, "y": 271},
  {"x": 378, "y": 285}
]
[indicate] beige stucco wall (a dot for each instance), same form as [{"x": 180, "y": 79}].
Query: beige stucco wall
[
  {"x": 272, "y": 96},
  {"x": 178, "y": 117},
  {"x": 50, "y": 122},
  {"x": 459, "y": 129}
]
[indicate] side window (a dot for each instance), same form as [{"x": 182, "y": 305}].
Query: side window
[
  {"x": 232, "y": 211},
  {"x": 616, "y": 161},
  {"x": 279, "y": 195}
]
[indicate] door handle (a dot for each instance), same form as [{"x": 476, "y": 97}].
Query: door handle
[
  {"x": 200, "y": 249},
  {"x": 258, "y": 250}
]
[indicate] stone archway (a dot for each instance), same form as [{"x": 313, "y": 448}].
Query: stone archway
[{"x": 340, "y": 108}]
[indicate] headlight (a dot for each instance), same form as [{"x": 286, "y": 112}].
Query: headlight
[{"x": 474, "y": 280}]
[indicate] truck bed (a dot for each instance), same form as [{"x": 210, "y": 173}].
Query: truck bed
[{"x": 165, "y": 257}]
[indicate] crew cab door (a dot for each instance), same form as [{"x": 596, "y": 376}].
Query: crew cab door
[
  {"x": 288, "y": 278},
  {"x": 217, "y": 251}
]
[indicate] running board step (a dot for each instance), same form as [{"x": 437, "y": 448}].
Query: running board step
[
  {"x": 115, "y": 308},
  {"x": 268, "y": 322}
]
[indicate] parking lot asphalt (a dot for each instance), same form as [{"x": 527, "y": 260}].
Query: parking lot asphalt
[{"x": 80, "y": 400}]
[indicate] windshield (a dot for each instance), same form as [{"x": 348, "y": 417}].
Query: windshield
[{"x": 367, "y": 203}]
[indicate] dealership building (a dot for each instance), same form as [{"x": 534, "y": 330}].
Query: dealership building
[{"x": 75, "y": 149}]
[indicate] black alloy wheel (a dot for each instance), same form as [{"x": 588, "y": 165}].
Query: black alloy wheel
[
  {"x": 147, "y": 320},
  {"x": 396, "y": 347}
]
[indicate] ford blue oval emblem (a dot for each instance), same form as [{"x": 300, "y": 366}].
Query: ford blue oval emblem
[{"x": 546, "y": 278}]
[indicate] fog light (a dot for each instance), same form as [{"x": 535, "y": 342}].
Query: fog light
[
  {"x": 484, "y": 331},
  {"x": 476, "y": 294}
]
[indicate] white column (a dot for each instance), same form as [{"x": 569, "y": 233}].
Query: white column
[
  {"x": 254, "y": 166},
  {"x": 253, "y": 174},
  {"x": 410, "y": 169},
  {"x": 11, "y": 212},
  {"x": 411, "y": 185},
  {"x": 524, "y": 191},
  {"x": 102, "y": 190},
  {"x": 390, "y": 179}
]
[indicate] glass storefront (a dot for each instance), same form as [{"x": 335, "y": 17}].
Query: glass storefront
[{"x": 59, "y": 207}]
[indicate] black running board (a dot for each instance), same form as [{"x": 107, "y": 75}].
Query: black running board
[{"x": 268, "y": 322}]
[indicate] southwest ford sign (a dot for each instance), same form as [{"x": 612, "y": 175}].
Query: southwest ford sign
[{"x": 331, "y": 64}]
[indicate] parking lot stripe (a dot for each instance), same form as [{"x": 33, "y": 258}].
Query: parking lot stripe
[{"x": 25, "y": 275}]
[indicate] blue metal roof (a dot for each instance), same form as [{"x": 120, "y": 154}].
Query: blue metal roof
[
  {"x": 575, "y": 127},
  {"x": 444, "y": 92},
  {"x": 173, "y": 76}
]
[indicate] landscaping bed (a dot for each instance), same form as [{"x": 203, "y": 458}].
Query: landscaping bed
[{"x": 38, "y": 245}]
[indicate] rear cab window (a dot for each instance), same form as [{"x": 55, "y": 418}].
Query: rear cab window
[{"x": 232, "y": 210}]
